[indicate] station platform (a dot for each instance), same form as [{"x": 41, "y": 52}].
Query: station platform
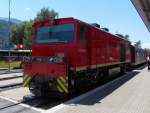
[
  {"x": 127, "y": 94},
  {"x": 16, "y": 94},
  {"x": 8, "y": 106}
]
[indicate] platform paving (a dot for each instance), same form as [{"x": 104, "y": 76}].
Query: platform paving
[
  {"x": 127, "y": 94},
  {"x": 16, "y": 94},
  {"x": 7, "y": 106}
]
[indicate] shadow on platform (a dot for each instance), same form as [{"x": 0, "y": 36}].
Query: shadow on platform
[
  {"x": 105, "y": 91},
  {"x": 141, "y": 67}
]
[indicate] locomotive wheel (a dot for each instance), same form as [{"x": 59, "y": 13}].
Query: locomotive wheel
[
  {"x": 105, "y": 74},
  {"x": 97, "y": 77},
  {"x": 123, "y": 69},
  {"x": 71, "y": 85}
]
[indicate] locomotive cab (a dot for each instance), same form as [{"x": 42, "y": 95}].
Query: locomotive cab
[{"x": 53, "y": 54}]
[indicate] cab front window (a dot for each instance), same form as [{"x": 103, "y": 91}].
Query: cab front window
[{"x": 55, "y": 33}]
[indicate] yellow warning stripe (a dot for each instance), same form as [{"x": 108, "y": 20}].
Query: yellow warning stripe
[
  {"x": 27, "y": 81},
  {"x": 62, "y": 85},
  {"x": 59, "y": 88},
  {"x": 64, "y": 81},
  {"x": 25, "y": 77},
  {"x": 24, "y": 82}
]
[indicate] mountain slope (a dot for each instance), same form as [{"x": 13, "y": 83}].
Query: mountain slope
[
  {"x": 4, "y": 28},
  {"x": 13, "y": 20}
]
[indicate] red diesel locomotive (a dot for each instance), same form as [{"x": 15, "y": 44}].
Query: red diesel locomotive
[{"x": 68, "y": 53}]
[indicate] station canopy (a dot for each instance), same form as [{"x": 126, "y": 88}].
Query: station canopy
[{"x": 143, "y": 8}]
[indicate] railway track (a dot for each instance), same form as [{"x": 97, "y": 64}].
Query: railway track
[
  {"x": 8, "y": 78},
  {"x": 10, "y": 81},
  {"x": 5, "y": 71},
  {"x": 13, "y": 86}
]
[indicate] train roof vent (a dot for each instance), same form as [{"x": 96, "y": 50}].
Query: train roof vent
[
  {"x": 96, "y": 25},
  {"x": 105, "y": 29},
  {"x": 120, "y": 35}
]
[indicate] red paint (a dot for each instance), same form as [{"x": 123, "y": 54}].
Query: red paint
[{"x": 101, "y": 48}]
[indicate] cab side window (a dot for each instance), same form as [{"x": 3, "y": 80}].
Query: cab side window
[{"x": 80, "y": 33}]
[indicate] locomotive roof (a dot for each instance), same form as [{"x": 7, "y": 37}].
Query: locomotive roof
[
  {"x": 39, "y": 23},
  {"x": 102, "y": 30}
]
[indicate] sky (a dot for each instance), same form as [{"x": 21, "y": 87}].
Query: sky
[{"x": 119, "y": 16}]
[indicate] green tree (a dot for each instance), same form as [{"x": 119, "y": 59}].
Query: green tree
[
  {"x": 1, "y": 42},
  {"x": 21, "y": 34},
  {"x": 46, "y": 14},
  {"x": 126, "y": 37},
  {"x": 138, "y": 44},
  {"x": 27, "y": 34},
  {"x": 16, "y": 34}
]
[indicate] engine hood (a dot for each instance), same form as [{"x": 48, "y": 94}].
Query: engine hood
[{"x": 50, "y": 50}]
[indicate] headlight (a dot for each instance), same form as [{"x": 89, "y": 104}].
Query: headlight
[
  {"x": 59, "y": 58},
  {"x": 51, "y": 59}
]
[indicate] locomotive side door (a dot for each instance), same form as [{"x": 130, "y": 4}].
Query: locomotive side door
[
  {"x": 82, "y": 45},
  {"x": 122, "y": 53}
]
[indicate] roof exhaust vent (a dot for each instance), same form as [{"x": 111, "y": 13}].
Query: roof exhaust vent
[
  {"x": 105, "y": 29},
  {"x": 96, "y": 25}
]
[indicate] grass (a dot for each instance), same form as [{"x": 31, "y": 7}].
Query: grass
[{"x": 15, "y": 64}]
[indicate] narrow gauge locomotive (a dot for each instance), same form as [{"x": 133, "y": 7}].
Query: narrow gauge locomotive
[{"x": 68, "y": 53}]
